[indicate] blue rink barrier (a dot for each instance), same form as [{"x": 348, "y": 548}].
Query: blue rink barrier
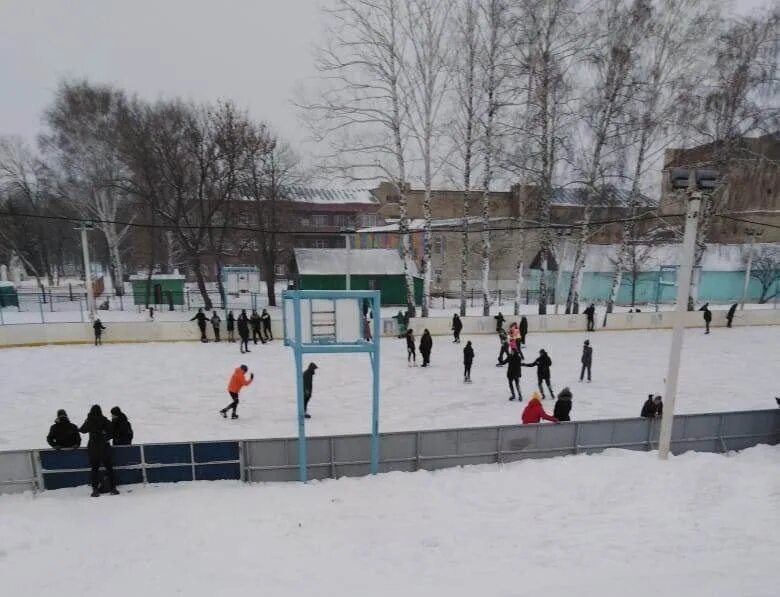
[{"x": 330, "y": 457}]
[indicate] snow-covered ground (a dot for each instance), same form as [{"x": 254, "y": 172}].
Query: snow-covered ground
[
  {"x": 615, "y": 524},
  {"x": 172, "y": 392}
]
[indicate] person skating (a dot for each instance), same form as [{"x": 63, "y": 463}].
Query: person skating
[
  {"x": 523, "y": 329},
  {"x": 237, "y": 381},
  {"x": 457, "y": 326},
  {"x": 63, "y": 434},
  {"x": 468, "y": 359},
  {"x": 411, "y": 351},
  {"x": 308, "y": 387},
  {"x": 98, "y": 450},
  {"x": 542, "y": 363},
  {"x": 590, "y": 313},
  {"x": 514, "y": 336},
  {"x": 256, "y": 325},
  {"x": 98, "y": 328},
  {"x": 586, "y": 360},
  {"x": 401, "y": 319},
  {"x": 201, "y": 318},
  {"x": 503, "y": 354},
  {"x": 499, "y": 322},
  {"x": 231, "y": 326},
  {"x": 707, "y": 316},
  {"x": 121, "y": 429},
  {"x": 652, "y": 408},
  {"x": 513, "y": 373},
  {"x": 265, "y": 318},
  {"x": 730, "y": 315},
  {"x": 426, "y": 345},
  {"x": 562, "y": 407},
  {"x": 534, "y": 412},
  {"x": 243, "y": 331},
  {"x": 215, "y": 321}
]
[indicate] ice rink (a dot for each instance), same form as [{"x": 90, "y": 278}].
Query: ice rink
[
  {"x": 608, "y": 525},
  {"x": 173, "y": 391}
]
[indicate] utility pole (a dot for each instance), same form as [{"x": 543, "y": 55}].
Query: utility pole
[
  {"x": 753, "y": 234},
  {"x": 347, "y": 232},
  {"x": 695, "y": 182},
  {"x": 87, "y": 268}
]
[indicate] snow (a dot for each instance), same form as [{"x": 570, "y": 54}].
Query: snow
[
  {"x": 699, "y": 525},
  {"x": 366, "y": 262},
  {"x": 172, "y": 391}
]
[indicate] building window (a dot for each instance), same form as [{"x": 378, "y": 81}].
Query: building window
[
  {"x": 372, "y": 284},
  {"x": 343, "y": 220},
  {"x": 437, "y": 277},
  {"x": 438, "y": 245},
  {"x": 279, "y": 269},
  {"x": 367, "y": 220},
  {"x": 319, "y": 219},
  {"x": 318, "y": 243}
]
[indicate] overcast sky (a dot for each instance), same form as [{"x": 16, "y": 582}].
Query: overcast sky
[{"x": 251, "y": 51}]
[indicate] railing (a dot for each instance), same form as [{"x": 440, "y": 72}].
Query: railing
[{"x": 349, "y": 455}]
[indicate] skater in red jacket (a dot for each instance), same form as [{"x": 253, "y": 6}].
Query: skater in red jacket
[
  {"x": 534, "y": 412},
  {"x": 237, "y": 381}
]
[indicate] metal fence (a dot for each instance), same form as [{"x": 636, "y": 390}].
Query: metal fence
[{"x": 349, "y": 455}]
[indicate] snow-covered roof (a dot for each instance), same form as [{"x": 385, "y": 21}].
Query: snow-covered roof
[
  {"x": 319, "y": 195},
  {"x": 417, "y": 224},
  {"x": 367, "y": 262},
  {"x": 608, "y": 197},
  {"x": 7, "y": 284},
  {"x": 158, "y": 277}
]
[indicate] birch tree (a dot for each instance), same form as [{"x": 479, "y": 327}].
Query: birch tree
[
  {"x": 361, "y": 110},
  {"x": 427, "y": 34}
]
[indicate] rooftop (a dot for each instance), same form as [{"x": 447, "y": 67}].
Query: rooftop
[{"x": 323, "y": 262}]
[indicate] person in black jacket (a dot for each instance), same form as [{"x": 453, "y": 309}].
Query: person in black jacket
[
  {"x": 201, "y": 318},
  {"x": 121, "y": 429},
  {"x": 590, "y": 313},
  {"x": 231, "y": 326},
  {"x": 513, "y": 373},
  {"x": 542, "y": 363},
  {"x": 243, "y": 330},
  {"x": 426, "y": 345},
  {"x": 652, "y": 408},
  {"x": 563, "y": 405},
  {"x": 499, "y": 322},
  {"x": 707, "y": 316},
  {"x": 411, "y": 351},
  {"x": 63, "y": 434},
  {"x": 730, "y": 315},
  {"x": 523, "y": 329},
  {"x": 265, "y": 319},
  {"x": 308, "y": 387},
  {"x": 98, "y": 327},
  {"x": 586, "y": 360},
  {"x": 468, "y": 359},
  {"x": 503, "y": 354},
  {"x": 215, "y": 321},
  {"x": 254, "y": 320},
  {"x": 457, "y": 326},
  {"x": 99, "y": 430}
]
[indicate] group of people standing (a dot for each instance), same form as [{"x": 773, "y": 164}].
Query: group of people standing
[
  {"x": 64, "y": 434},
  {"x": 258, "y": 324}
]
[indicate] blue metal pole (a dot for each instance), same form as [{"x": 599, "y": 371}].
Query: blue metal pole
[
  {"x": 302, "y": 472},
  {"x": 375, "y": 370}
]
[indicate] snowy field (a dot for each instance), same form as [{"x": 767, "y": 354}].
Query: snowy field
[
  {"x": 615, "y": 524},
  {"x": 173, "y": 391}
]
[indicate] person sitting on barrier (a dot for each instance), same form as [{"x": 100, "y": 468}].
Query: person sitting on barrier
[
  {"x": 563, "y": 405},
  {"x": 63, "y": 434},
  {"x": 99, "y": 430},
  {"x": 652, "y": 408},
  {"x": 121, "y": 429},
  {"x": 534, "y": 412}
]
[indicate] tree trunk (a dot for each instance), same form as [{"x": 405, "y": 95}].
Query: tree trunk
[
  {"x": 464, "y": 251},
  {"x": 518, "y": 286},
  {"x": 426, "y": 298},
  {"x": 117, "y": 268},
  {"x": 617, "y": 278},
  {"x": 207, "y": 305}
]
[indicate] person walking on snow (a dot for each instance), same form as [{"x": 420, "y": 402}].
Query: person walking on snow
[
  {"x": 543, "y": 363},
  {"x": 411, "y": 351},
  {"x": 201, "y": 318},
  {"x": 590, "y": 312},
  {"x": 63, "y": 434},
  {"x": 215, "y": 321},
  {"x": 730, "y": 315},
  {"x": 426, "y": 345},
  {"x": 231, "y": 326},
  {"x": 468, "y": 359},
  {"x": 243, "y": 331},
  {"x": 98, "y": 327},
  {"x": 707, "y": 316},
  {"x": 586, "y": 360},
  {"x": 255, "y": 321},
  {"x": 523, "y": 329},
  {"x": 457, "y": 326},
  {"x": 237, "y": 381},
  {"x": 513, "y": 373},
  {"x": 534, "y": 412},
  {"x": 563, "y": 405},
  {"x": 98, "y": 450},
  {"x": 265, "y": 318},
  {"x": 308, "y": 387}
]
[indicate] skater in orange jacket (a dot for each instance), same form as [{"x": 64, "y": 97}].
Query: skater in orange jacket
[{"x": 237, "y": 381}]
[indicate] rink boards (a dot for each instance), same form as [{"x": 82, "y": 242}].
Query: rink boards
[{"x": 269, "y": 460}]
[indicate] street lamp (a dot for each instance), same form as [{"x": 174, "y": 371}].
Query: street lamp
[
  {"x": 696, "y": 183},
  {"x": 753, "y": 233},
  {"x": 564, "y": 235},
  {"x": 348, "y": 231}
]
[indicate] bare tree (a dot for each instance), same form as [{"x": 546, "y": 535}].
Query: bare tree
[
  {"x": 765, "y": 269},
  {"x": 362, "y": 110}
]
